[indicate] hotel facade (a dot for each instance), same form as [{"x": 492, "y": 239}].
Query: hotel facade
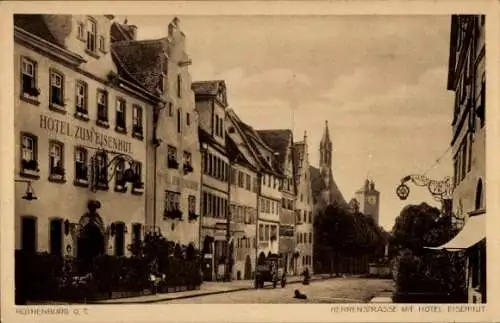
[
  {"x": 79, "y": 126},
  {"x": 174, "y": 160},
  {"x": 467, "y": 79}
]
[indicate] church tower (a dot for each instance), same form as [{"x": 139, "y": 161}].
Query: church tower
[
  {"x": 368, "y": 199},
  {"x": 325, "y": 149}
]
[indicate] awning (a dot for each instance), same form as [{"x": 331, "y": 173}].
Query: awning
[{"x": 473, "y": 232}]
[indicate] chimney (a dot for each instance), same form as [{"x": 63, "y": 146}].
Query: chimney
[{"x": 372, "y": 186}]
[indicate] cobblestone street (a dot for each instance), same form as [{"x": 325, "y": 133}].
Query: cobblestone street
[{"x": 339, "y": 290}]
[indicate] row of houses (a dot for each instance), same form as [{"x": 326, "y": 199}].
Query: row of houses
[{"x": 115, "y": 141}]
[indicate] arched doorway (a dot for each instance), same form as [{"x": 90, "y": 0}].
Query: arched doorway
[
  {"x": 248, "y": 268},
  {"x": 479, "y": 195},
  {"x": 90, "y": 244}
]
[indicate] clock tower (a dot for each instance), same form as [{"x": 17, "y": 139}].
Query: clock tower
[{"x": 368, "y": 199}]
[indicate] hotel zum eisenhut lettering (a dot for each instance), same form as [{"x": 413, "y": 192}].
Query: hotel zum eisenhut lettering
[{"x": 90, "y": 136}]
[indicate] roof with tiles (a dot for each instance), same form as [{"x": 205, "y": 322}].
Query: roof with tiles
[
  {"x": 278, "y": 140},
  {"x": 52, "y": 28},
  {"x": 255, "y": 143},
  {"x": 142, "y": 61}
]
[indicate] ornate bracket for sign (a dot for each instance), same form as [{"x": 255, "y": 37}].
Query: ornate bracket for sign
[
  {"x": 440, "y": 190},
  {"x": 129, "y": 175}
]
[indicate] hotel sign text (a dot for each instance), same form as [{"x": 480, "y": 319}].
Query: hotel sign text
[{"x": 90, "y": 136}]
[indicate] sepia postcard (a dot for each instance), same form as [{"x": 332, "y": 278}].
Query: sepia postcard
[{"x": 260, "y": 161}]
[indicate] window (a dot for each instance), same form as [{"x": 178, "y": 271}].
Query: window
[
  {"x": 255, "y": 183},
  {"x": 81, "y": 173},
  {"x": 188, "y": 119},
  {"x": 170, "y": 110},
  {"x": 81, "y": 31},
  {"x": 28, "y": 234},
  {"x": 137, "y": 169},
  {"x": 29, "y": 151},
  {"x": 56, "y": 237},
  {"x": 192, "y": 204},
  {"x": 261, "y": 232},
  {"x": 172, "y": 153},
  {"x": 56, "y": 88},
  {"x": 136, "y": 233},
  {"x": 274, "y": 231},
  {"x": 248, "y": 182},
  {"x": 91, "y": 35},
  {"x": 266, "y": 232},
  {"x": 301, "y": 197},
  {"x": 234, "y": 175},
  {"x": 268, "y": 206},
  {"x": 172, "y": 201},
  {"x": 178, "y": 120},
  {"x": 179, "y": 86},
  {"x": 187, "y": 158},
  {"x": 29, "y": 77},
  {"x": 102, "y": 44},
  {"x": 119, "y": 178},
  {"x": 119, "y": 239},
  {"x": 310, "y": 237},
  {"x": 120, "y": 115},
  {"x": 240, "y": 179},
  {"x": 482, "y": 109},
  {"x": 102, "y": 170},
  {"x": 102, "y": 106},
  {"x": 81, "y": 97},
  {"x": 262, "y": 205},
  {"x": 56, "y": 159},
  {"x": 137, "y": 120}
]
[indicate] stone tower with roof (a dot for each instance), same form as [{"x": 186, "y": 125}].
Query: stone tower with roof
[{"x": 368, "y": 199}]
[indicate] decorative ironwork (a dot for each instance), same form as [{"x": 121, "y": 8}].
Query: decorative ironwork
[
  {"x": 440, "y": 190},
  {"x": 30, "y": 192}
]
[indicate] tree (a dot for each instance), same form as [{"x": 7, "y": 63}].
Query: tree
[
  {"x": 341, "y": 233},
  {"x": 420, "y": 269}
]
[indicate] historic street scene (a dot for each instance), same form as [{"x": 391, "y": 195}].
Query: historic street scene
[{"x": 249, "y": 159}]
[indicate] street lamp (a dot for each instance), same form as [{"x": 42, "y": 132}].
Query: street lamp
[{"x": 29, "y": 195}]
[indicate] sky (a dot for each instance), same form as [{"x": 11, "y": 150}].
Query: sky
[{"x": 379, "y": 81}]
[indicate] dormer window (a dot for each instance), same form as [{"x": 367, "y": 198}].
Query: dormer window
[
  {"x": 102, "y": 44},
  {"x": 91, "y": 35},
  {"x": 81, "y": 31}
]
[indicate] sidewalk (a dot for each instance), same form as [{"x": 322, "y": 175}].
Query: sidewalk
[
  {"x": 385, "y": 297},
  {"x": 207, "y": 288}
]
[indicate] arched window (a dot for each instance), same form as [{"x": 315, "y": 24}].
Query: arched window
[{"x": 479, "y": 195}]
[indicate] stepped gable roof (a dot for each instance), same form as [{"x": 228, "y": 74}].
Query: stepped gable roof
[
  {"x": 41, "y": 26},
  {"x": 278, "y": 140},
  {"x": 142, "y": 61}
]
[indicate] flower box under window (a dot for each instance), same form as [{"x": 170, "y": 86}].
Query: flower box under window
[
  {"x": 138, "y": 188},
  {"x": 173, "y": 214},
  {"x": 57, "y": 173},
  {"x": 120, "y": 186},
  {"x": 31, "y": 91},
  {"x": 192, "y": 216},
  {"x": 172, "y": 163},
  {"x": 82, "y": 114},
  {"x": 30, "y": 167},
  {"x": 188, "y": 168}
]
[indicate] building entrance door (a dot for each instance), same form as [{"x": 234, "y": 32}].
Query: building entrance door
[{"x": 90, "y": 245}]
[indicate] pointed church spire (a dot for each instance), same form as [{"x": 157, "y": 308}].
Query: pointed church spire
[
  {"x": 325, "y": 148},
  {"x": 325, "y": 140}
]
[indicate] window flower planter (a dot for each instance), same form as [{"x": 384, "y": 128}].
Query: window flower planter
[
  {"x": 192, "y": 216},
  {"x": 33, "y": 91},
  {"x": 120, "y": 187},
  {"x": 82, "y": 115},
  {"x": 102, "y": 123},
  {"x": 174, "y": 214},
  {"x": 188, "y": 168},
  {"x": 31, "y": 165},
  {"x": 138, "y": 188},
  {"x": 137, "y": 131},
  {"x": 172, "y": 163}
]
